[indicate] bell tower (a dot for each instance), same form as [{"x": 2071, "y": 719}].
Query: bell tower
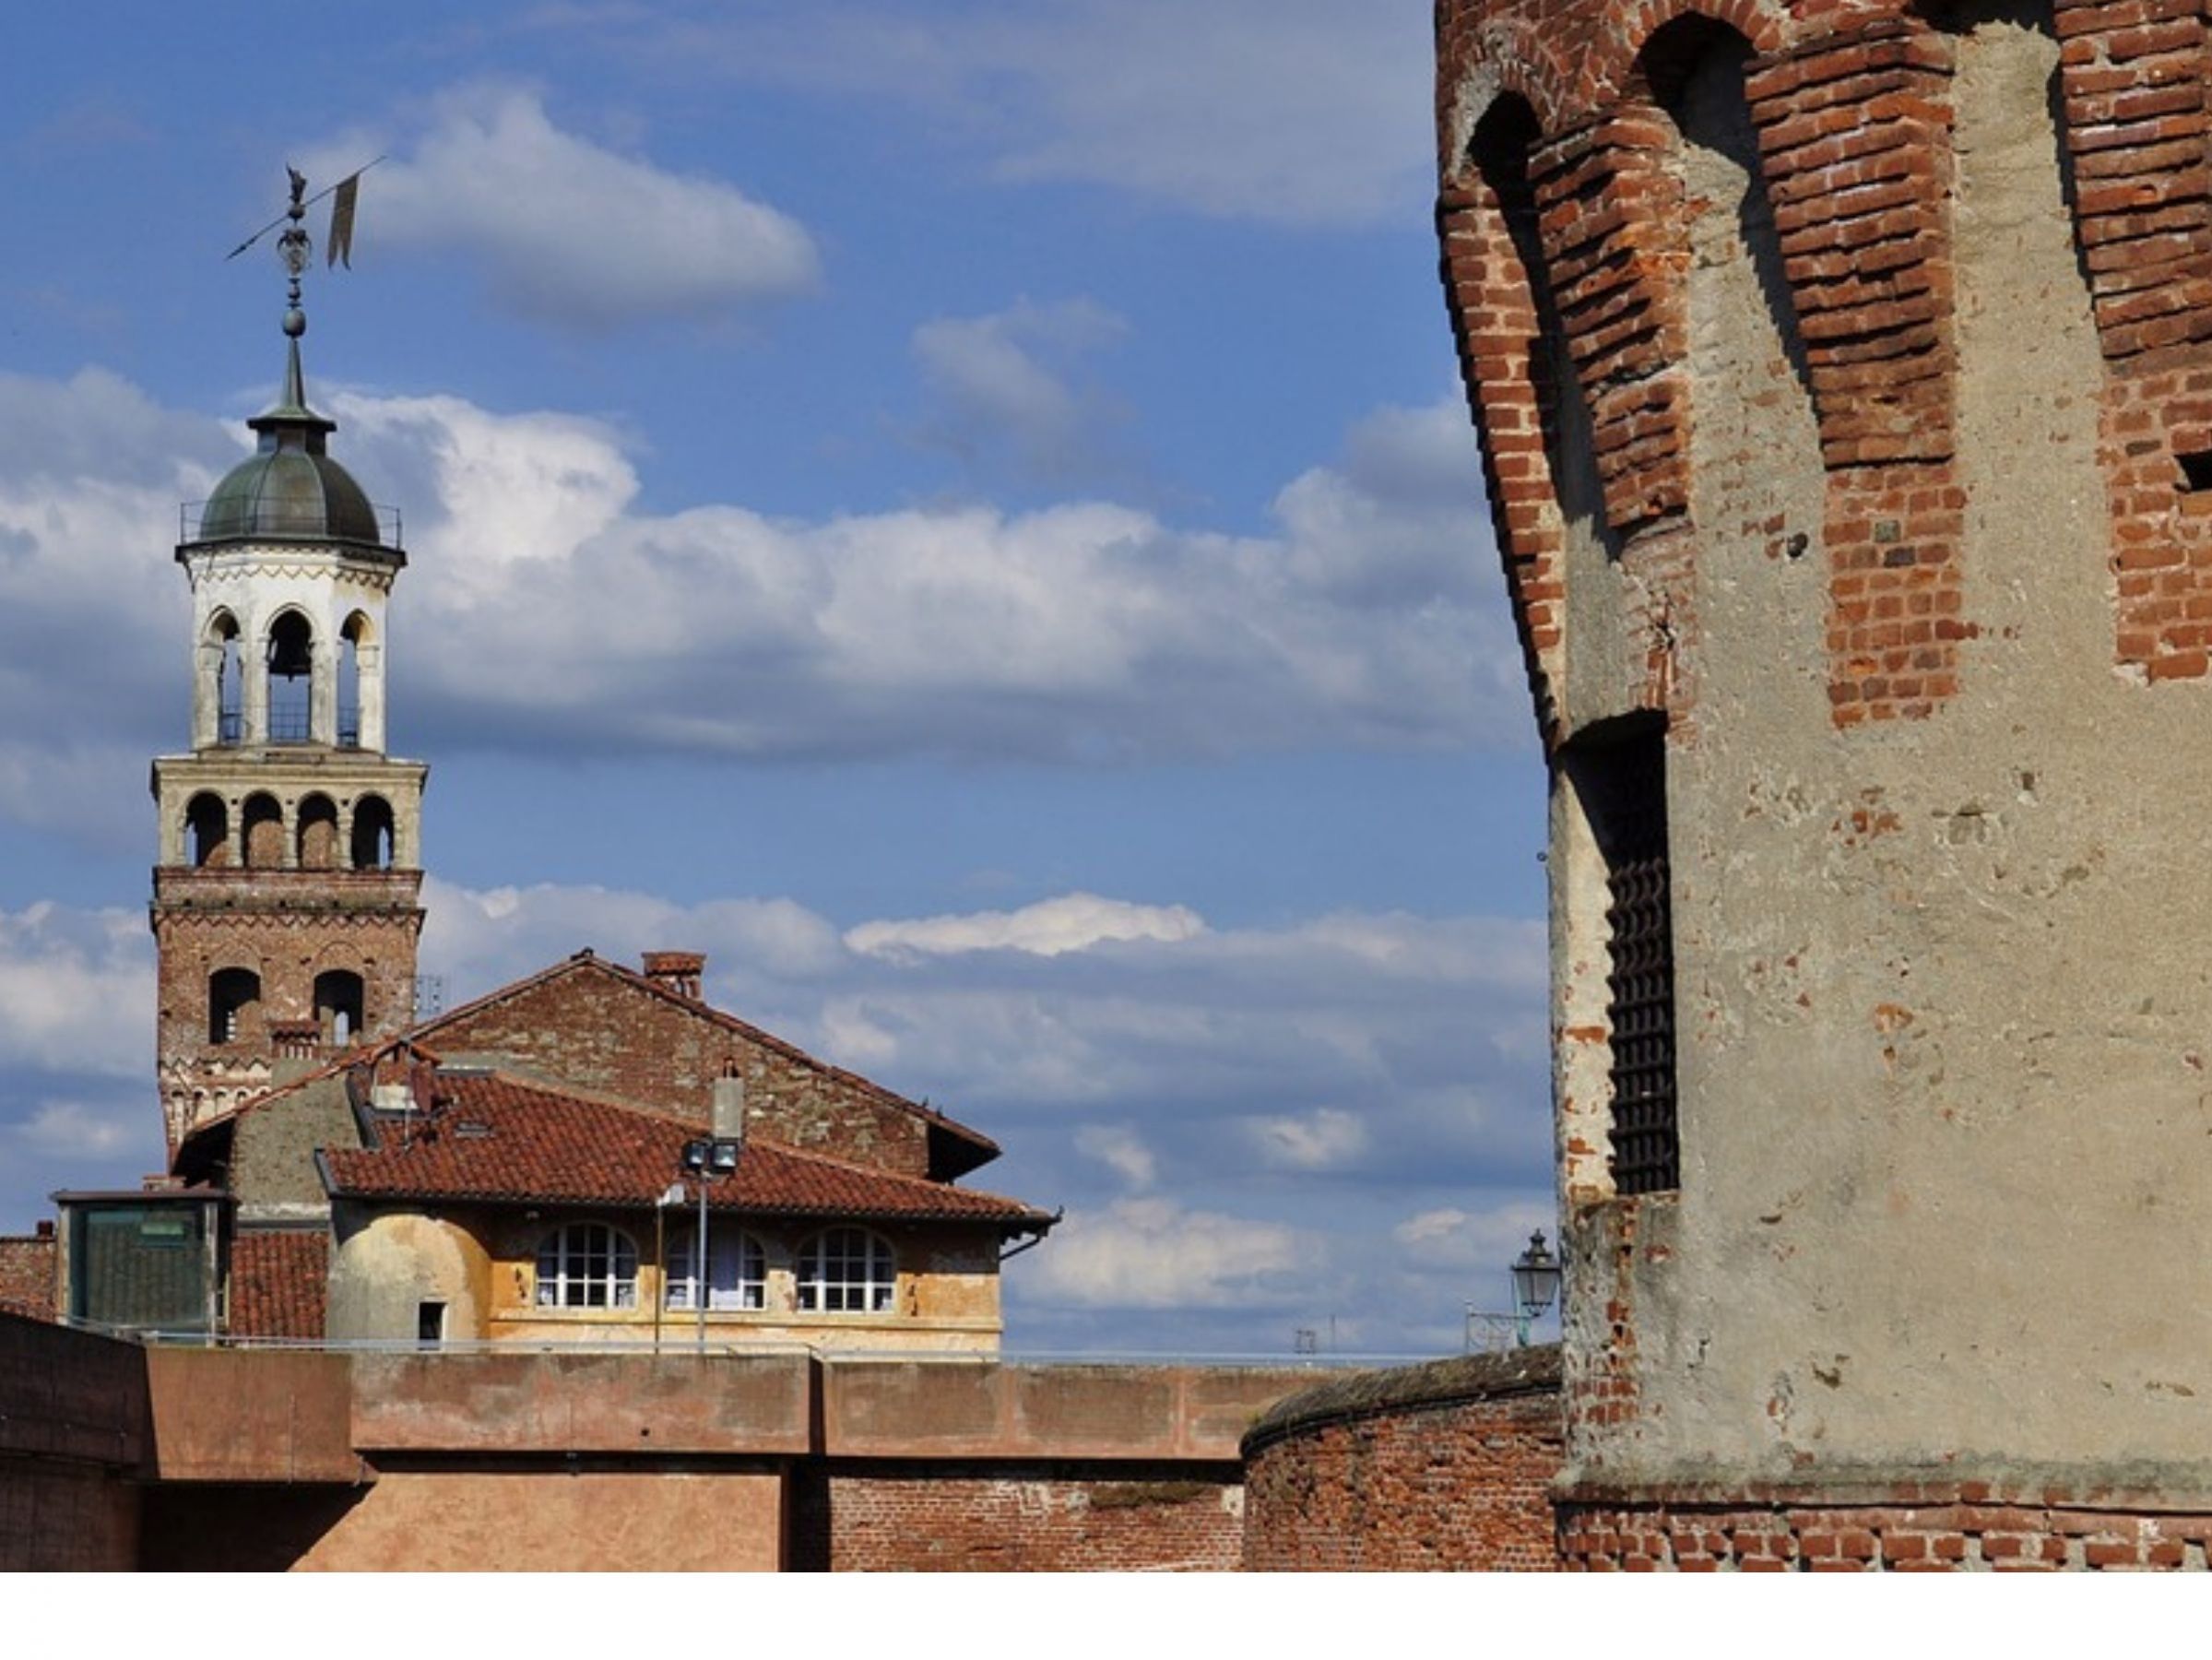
[{"x": 286, "y": 894}]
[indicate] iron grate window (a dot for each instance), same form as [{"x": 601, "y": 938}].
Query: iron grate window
[{"x": 1640, "y": 1004}]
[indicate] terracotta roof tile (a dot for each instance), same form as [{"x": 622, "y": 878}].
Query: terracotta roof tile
[
  {"x": 279, "y": 1280},
  {"x": 497, "y": 1139}
]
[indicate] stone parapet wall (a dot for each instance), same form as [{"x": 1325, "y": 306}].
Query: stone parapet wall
[{"x": 1447, "y": 1465}]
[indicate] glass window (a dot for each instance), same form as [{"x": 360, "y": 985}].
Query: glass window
[
  {"x": 587, "y": 1265},
  {"x": 847, "y": 1270},
  {"x": 737, "y": 1272}
]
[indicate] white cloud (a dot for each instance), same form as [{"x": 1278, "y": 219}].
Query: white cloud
[
  {"x": 569, "y": 232},
  {"x": 77, "y": 991},
  {"x": 1151, "y": 1253},
  {"x": 1323, "y": 1139},
  {"x": 1070, "y": 922},
  {"x": 1084, "y": 634},
  {"x": 1453, "y": 1240},
  {"x": 1005, "y": 386},
  {"x": 1121, "y": 1150},
  {"x": 1293, "y": 112},
  {"x": 78, "y": 1130}
]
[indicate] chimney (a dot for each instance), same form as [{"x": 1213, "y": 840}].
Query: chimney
[
  {"x": 676, "y": 971},
  {"x": 729, "y": 1107},
  {"x": 45, "y": 1228},
  {"x": 298, "y": 1045}
]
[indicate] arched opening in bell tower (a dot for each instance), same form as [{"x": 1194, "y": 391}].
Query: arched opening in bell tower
[
  {"x": 292, "y": 679},
  {"x": 226, "y": 662},
  {"x": 316, "y": 840},
  {"x": 232, "y": 995},
  {"x": 208, "y": 832},
  {"x": 262, "y": 831},
  {"x": 340, "y": 999},
  {"x": 352, "y": 638},
  {"x": 373, "y": 834}
]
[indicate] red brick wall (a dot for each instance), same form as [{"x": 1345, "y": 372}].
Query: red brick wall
[
  {"x": 1961, "y": 1530},
  {"x": 26, "y": 1274},
  {"x": 1009, "y": 1518},
  {"x": 1444, "y": 1466}
]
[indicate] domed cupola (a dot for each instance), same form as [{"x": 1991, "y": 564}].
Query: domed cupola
[{"x": 291, "y": 487}]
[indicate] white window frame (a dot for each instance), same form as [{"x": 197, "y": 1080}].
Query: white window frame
[
  {"x": 587, "y": 1265},
  {"x": 848, "y": 1271},
  {"x": 736, "y": 1273}
]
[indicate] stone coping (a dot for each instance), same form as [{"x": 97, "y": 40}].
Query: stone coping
[{"x": 1455, "y": 1382}]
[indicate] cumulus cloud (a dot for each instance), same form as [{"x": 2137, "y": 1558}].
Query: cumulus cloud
[
  {"x": 1293, "y": 112},
  {"x": 1320, "y": 1140},
  {"x": 1336, "y": 1122},
  {"x": 1085, "y": 633},
  {"x": 1070, "y": 922},
  {"x": 78, "y": 1131},
  {"x": 1004, "y": 388},
  {"x": 567, "y": 232},
  {"x": 1121, "y": 1150},
  {"x": 1151, "y": 1253},
  {"x": 77, "y": 991}
]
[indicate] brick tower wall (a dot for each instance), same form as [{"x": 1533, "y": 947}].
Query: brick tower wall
[{"x": 1846, "y": 407}]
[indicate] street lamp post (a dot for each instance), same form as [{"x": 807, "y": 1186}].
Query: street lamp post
[
  {"x": 1535, "y": 1282},
  {"x": 1535, "y": 1276},
  {"x": 705, "y": 1159}
]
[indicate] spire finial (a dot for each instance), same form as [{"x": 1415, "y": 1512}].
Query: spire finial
[{"x": 295, "y": 248}]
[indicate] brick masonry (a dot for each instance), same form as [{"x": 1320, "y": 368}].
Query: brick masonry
[
  {"x": 27, "y": 1272},
  {"x": 1947, "y": 1533},
  {"x": 1447, "y": 1465},
  {"x": 1052, "y": 1518}
]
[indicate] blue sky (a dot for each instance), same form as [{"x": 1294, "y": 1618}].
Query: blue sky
[{"x": 960, "y": 511}]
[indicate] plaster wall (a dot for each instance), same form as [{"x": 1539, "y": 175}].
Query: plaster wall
[{"x": 592, "y": 1521}]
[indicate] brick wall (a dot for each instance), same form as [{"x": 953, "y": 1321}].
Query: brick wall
[
  {"x": 1049, "y": 1518},
  {"x": 1447, "y": 1465},
  {"x": 27, "y": 1272},
  {"x": 1961, "y": 1530}
]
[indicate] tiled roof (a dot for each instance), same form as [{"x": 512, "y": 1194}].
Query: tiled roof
[
  {"x": 497, "y": 1139},
  {"x": 278, "y": 1282}
]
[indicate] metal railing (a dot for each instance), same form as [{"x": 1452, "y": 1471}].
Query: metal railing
[{"x": 271, "y": 520}]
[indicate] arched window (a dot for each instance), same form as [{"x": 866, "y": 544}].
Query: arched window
[
  {"x": 230, "y": 678},
  {"x": 847, "y": 1270},
  {"x": 339, "y": 997},
  {"x": 264, "y": 832},
  {"x": 231, "y": 994},
  {"x": 352, "y": 638},
  {"x": 587, "y": 1265},
  {"x": 208, "y": 832},
  {"x": 372, "y": 833},
  {"x": 316, "y": 840},
  {"x": 292, "y": 679},
  {"x": 737, "y": 1272}
]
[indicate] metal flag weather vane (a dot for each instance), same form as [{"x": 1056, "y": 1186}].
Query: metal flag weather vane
[{"x": 294, "y": 248}]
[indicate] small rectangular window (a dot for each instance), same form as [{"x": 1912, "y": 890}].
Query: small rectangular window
[
  {"x": 1622, "y": 777},
  {"x": 430, "y": 1324}
]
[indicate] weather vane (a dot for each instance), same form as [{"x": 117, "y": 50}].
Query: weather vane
[{"x": 295, "y": 248}]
